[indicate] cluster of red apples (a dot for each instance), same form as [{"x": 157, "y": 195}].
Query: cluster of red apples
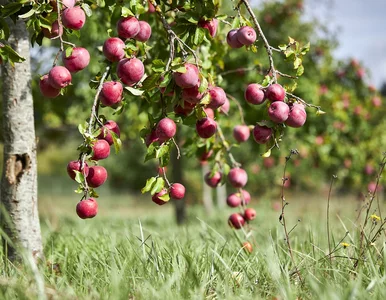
[
  {"x": 129, "y": 70},
  {"x": 279, "y": 112},
  {"x": 74, "y": 60}
]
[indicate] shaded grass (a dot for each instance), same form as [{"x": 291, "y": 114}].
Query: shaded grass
[{"x": 134, "y": 250}]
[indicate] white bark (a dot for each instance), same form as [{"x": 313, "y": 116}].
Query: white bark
[{"x": 20, "y": 219}]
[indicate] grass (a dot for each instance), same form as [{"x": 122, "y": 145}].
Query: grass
[{"x": 134, "y": 250}]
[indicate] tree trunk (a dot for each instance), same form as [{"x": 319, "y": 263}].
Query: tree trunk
[
  {"x": 221, "y": 196},
  {"x": 177, "y": 175},
  {"x": 19, "y": 213}
]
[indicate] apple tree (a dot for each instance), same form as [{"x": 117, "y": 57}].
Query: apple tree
[{"x": 170, "y": 70}]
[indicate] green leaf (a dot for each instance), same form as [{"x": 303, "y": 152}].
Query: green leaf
[
  {"x": 11, "y": 54},
  {"x": 69, "y": 51},
  {"x": 158, "y": 186},
  {"x": 79, "y": 177},
  {"x": 204, "y": 85},
  {"x": 151, "y": 81},
  {"x": 117, "y": 141},
  {"x": 320, "y": 112},
  {"x": 162, "y": 151},
  {"x": 222, "y": 17},
  {"x": 165, "y": 197},
  {"x": 267, "y": 154},
  {"x": 87, "y": 9},
  {"x": 149, "y": 185},
  {"x": 167, "y": 78},
  {"x": 134, "y": 91},
  {"x": 27, "y": 14},
  {"x": 206, "y": 99},
  {"x": 297, "y": 62},
  {"x": 125, "y": 12},
  {"x": 151, "y": 152},
  {"x": 300, "y": 71},
  {"x": 82, "y": 128},
  {"x": 10, "y": 9},
  {"x": 199, "y": 36}
]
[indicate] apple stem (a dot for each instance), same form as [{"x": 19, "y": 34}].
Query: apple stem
[{"x": 178, "y": 148}]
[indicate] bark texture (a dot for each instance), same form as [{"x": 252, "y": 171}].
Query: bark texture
[{"x": 19, "y": 214}]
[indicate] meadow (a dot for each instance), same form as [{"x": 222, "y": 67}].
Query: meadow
[{"x": 135, "y": 250}]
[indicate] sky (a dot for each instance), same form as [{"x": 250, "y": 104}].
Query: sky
[{"x": 360, "y": 27}]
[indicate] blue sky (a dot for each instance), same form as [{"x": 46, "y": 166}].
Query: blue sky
[{"x": 360, "y": 26}]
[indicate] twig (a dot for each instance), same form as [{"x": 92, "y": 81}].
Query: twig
[
  {"x": 225, "y": 144},
  {"x": 266, "y": 44},
  {"x": 282, "y": 217},
  {"x": 178, "y": 148},
  {"x": 93, "y": 115},
  {"x": 328, "y": 214},
  {"x": 172, "y": 37},
  {"x": 303, "y": 102},
  {"x": 238, "y": 106}
]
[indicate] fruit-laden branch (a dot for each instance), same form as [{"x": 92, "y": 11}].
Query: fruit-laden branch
[
  {"x": 172, "y": 37},
  {"x": 261, "y": 33},
  {"x": 319, "y": 108},
  {"x": 62, "y": 42},
  {"x": 91, "y": 123}
]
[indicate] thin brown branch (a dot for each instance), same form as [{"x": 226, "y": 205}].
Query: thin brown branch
[
  {"x": 225, "y": 144},
  {"x": 239, "y": 107},
  {"x": 265, "y": 41}
]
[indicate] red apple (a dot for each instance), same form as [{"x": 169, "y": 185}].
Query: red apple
[
  {"x": 73, "y": 18},
  {"x": 144, "y": 31},
  {"x": 107, "y": 128},
  {"x": 59, "y": 77},
  {"x": 297, "y": 116},
  {"x": 232, "y": 40},
  {"x": 114, "y": 49},
  {"x": 192, "y": 94},
  {"x": 236, "y": 221},
  {"x": 209, "y": 112},
  {"x": 189, "y": 78},
  {"x": 177, "y": 191},
  {"x": 101, "y": 150},
  {"x": 130, "y": 70},
  {"x": 262, "y": 134},
  {"x": 156, "y": 197},
  {"x": 254, "y": 94},
  {"x": 275, "y": 92},
  {"x": 151, "y": 138},
  {"x": 211, "y": 25},
  {"x": 46, "y": 88},
  {"x": 74, "y": 165},
  {"x": 241, "y": 133},
  {"x": 278, "y": 112},
  {"x": 97, "y": 176},
  {"x": 246, "y": 35},
  {"x": 77, "y": 61},
  {"x": 250, "y": 214},
  {"x": 233, "y": 200},
  {"x": 111, "y": 93},
  {"x": 217, "y": 97},
  {"x": 238, "y": 177},
  {"x": 128, "y": 27},
  {"x": 166, "y": 129},
  {"x": 224, "y": 109},
  {"x": 55, "y": 31},
  {"x": 206, "y": 127},
  {"x": 87, "y": 209},
  {"x": 213, "y": 181}
]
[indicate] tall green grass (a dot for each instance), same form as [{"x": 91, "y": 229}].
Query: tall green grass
[{"x": 140, "y": 253}]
